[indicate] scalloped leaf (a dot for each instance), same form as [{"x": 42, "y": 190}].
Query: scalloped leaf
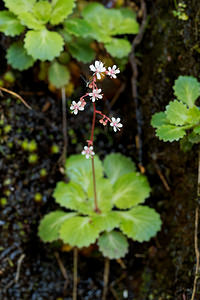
[
  {"x": 141, "y": 223},
  {"x": 177, "y": 113},
  {"x": 118, "y": 47},
  {"x": 28, "y": 19},
  {"x": 112, "y": 21},
  {"x": 79, "y": 169},
  {"x": 113, "y": 245},
  {"x": 81, "y": 50},
  {"x": 60, "y": 10},
  {"x": 79, "y": 232},
  {"x": 71, "y": 195},
  {"x": 159, "y": 119},
  {"x": 19, "y": 6},
  {"x": 170, "y": 133},
  {"x": 18, "y": 58},
  {"x": 9, "y": 24},
  {"x": 187, "y": 89},
  {"x": 79, "y": 27},
  {"x": 58, "y": 75},
  {"x": 42, "y": 11},
  {"x": 43, "y": 44},
  {"x": 50, "y": 225},
  {"x": 104, "y": 194},
  {"x": 130, "y": 190},
  {"x": 116, "y": 165},
  {"x": 193, "y": 115},
  {"x": 197, "y": 129},
  {"x": 106, "y": 221}
]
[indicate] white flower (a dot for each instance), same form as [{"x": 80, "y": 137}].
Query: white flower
[
  {"x": 98, "y": 68},
  {"x": 115, "y": 124},
  {"x": 88, "y": 151},
  {"x": 75, "y": 107},
  {"x": 113, "y": 71},
  {"x": 95, "y": 95}
]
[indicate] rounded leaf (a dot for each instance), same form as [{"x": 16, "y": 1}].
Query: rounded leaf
[
  {"x": 116, "y": 165},
  {"x": 113, "y": 245},
  {"x": 187, "y": 89},
  {"x": 19, "y": 6},
  {"x": 118, "y": 47},
  {"x": 9, "y": 24},
  {"x": 79, "y": 169},
  {"x": 140, "y": 223},
  {"x": 159, "y": 119},
  {"x": 170, "y": 133},
  {"x": 28, "y": 19},
  {"x": 79, "y": 232},
  {"x": 106, "y": 221},
  {"x": 72, "y": 196},
  {"x": 130, "y": 189},
  {"x": 18, "y": 58},
  {"x": 58, "y": 75},
  {"x": 43, "y": 44},
  {"x": 177, "y": 113},
  {"x": 81, "y": 50},
  {"x": 50, "y": 225},
  {"x": 42, "y": 10},
  {"x": 60, "y": 10}
]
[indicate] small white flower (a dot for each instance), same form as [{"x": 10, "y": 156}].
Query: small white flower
[
  {"x": 95, "y": 95},
  {"x": 98, "y": 68},
  {"x": 75, "y": 107},
  {"x": 115, "y": 124},
  {"x": 113, "y": 71},
  {"x": 88, "y": 151}
]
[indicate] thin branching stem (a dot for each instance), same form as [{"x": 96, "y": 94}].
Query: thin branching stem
[{"x": 64, "y": 127}]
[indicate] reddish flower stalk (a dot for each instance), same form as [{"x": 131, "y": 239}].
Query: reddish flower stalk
[{"x": 99, "y": 70}]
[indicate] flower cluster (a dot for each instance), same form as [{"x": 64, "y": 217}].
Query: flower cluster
[{"x": 99, "y": 71}]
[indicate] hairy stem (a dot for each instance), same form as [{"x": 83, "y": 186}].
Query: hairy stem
[
  {"x": 196, "y": 233},
  {"x": 75, "y": 274},
  {"x": 106, "y": 277},
  {"x": 64, "y": 121}
]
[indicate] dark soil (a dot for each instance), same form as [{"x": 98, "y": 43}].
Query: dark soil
[{"x": 161, "y": 269}]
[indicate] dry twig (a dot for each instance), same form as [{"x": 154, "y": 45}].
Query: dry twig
[
  {"x": 106, "y": 277},
  {"x": 19, "y": 264},
  {"x": 75, "y": 273},
  {"x": 62, "y": 269},
  {"x": 15, "y": 95}
]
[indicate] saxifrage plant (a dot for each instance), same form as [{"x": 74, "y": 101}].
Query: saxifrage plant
[
  {"x": 120, "y": 192},
  {"x": 58, "y": 29},
  {"x": 181, "y": 118}
]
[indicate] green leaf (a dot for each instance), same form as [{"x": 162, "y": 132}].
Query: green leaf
[
  {"x": 170, "y": 133},
  {"x": 79, "y": 232},
  {"x": 104, "y": 194},
  {"x": 159, "y": 119},
  {"x": 111, "y": 21},
  {"x": 118, "y": 47},
  {"x": 185, "y": 145},
  {"x": 81, "y": 50},
  {"x": 130, "y": 189},
  {"x": 140, "y": 223},
  {"x": 197, "y": 129},
  {"x": 58, "y": 75},
  {"x": 79, "y": 28},
  {"x": 50, "y": 225},
  {"x": 19, "y": 6},
  {"x": 9, "y": 24},
  {"x": 113, "y": 244},
  {"x": 43, "y": 44},
  {"x": 106, "y": 221},
  {"x": 29, "y": 20},
  {"x": 177, "y": 113},
  {"x": 72, "y": 196},
  {"x": 194, "y": 138},
  {"x": 79, "y": 169},
  {"x": 187, "y": 89},
  {"x": 18, "y": 58},
  {"x": 42, "y": 11},
  {"x": 193, "y": 115},
  {"x": 116, "y": 165},
  {"x": 60, "y": 10}
]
